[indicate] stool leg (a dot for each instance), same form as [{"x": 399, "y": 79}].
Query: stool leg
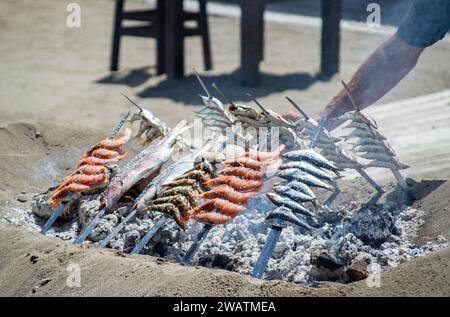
[
  {"x": 203, "y": 25},
  {"x": 160, "y": 45},
  {"x": 116, "y": 35}
]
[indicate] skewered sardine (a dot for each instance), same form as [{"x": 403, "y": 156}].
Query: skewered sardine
[
  {"x": 312, "y": 157},
  {"x": 297, "y": 196},
  {"x": 293, "y": 174},
  {"x": 279, "y": 201},
  {"x": 308, "y": 168},
  {"x": 287, "y": 215}
]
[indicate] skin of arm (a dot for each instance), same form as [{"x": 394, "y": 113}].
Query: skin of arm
[{"x": 381, "y": 72}]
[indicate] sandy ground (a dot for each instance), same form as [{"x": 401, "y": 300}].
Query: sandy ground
[
  {"x": 34, "y": 265},
  {"x": 56, "y": 74},
  {"x": 29, "y": 260}
]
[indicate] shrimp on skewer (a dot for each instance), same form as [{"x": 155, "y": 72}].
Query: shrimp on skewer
[
  {"x": 107, "y": 154},
  {"x": 85, "y": 179},
  {"x": 213, "y": 217},
  {"x": 235, "y": 182},
  {"x": 92, "y": 169},
  {"x": 115, "y": 143},
  {"x": 62, "y": 192},
  {"x": 264, "y": 156},
  {"x": 228, "y": 193},
  {"x": 252, "y": 164},
  {"x": 91, "y": 160},
  {"x": 243, "y": 172},
  {"x": 228, "y": 208}
]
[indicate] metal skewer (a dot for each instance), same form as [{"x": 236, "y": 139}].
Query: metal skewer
[
  {"x": 298, "y": 108},
  {"x": 61, "y": 206},
  {"x": 258, "y": 104},
  {"x": 277, "y": 227},
  {"x": 135, "y": 104},
  {"x": 200, "y": 80},
  {"x": 222, "y": 94},
  {"x": 164, "y": 218}
]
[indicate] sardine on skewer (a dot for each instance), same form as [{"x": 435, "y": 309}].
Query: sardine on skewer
[
  {"x": 308, "y": 168},
  {"x": 312, "y": 157},
  {"x": 308, "y": 179},
  {"x": 286, "y": 214},
  {"x": 279, "y": 201}
]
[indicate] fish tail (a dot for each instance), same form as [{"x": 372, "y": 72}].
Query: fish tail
[{"x": 179, "y": 129}]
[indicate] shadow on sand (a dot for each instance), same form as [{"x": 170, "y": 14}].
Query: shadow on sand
[
  {"x": 132, "y": 78},
  {"x": 230, "y": 84},
  {"x": 187, "y": 89}
]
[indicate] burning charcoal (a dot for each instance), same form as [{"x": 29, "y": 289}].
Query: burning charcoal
[
  {"x": 358, "y": 270},
  {"x": 43, "y": 208},
  {"x": 280, "y": 250},
  {"x": 327, "y": 267},
  {"x": 373, "y": 227}
]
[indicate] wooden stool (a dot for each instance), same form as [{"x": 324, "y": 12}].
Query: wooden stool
[{"x": 153, "y": 27}]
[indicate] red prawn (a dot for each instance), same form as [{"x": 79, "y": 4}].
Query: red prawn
[
  {"x": 228, "y": 193},
  {"x": 243, "y": 172},
  {"x": 235, "y": 182},
  {"x": 264, "y": 156},
  {"x": 213, "y": 217}
]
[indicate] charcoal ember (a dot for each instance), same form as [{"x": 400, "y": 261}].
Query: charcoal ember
[
  {"x": 373, "y": 226},
  {"x": 358, "y": 270},
  {"x": 41, "y": 207},
  {"x": 104, "y": 227},
  {"x": 327, "y": 267},
  {"x": 88, "y": 208},
  {"x": 161, "y": 249},
  {"x": 279, "y": 250},
  {"x": 218, "y": 261}
]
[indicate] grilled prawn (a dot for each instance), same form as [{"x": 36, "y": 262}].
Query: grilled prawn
[
  {"x": 235, "y": 182},
  {"x": 228, "y": 193}
]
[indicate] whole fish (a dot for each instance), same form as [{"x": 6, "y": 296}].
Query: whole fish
[
  {"x": 142, "y": 166},
  {"x": 297, "y": 196},
  {"x": 301, "y": 187},
  {"x": 287, "y": 215},
  {"x": 365, "y": 133},
  {"x": 294, "y": 174},
  {"x": 365, "y": 141},
  {"x": 279, "y": 201},
  {"x": 390, "y": 165},
  {"x": 356, "y": 125},
  {"x": 376, "y": 156},
  {"x": 357, "y": 116},
  {"x": 187, "y": 191},
  {"x": 214, "y": 103},
  {"x": 312, "y": 157},
  {"x": 308, "y": 168},
  {"x": 174, "y": 170},
  {"x": 383, "y": 146}
]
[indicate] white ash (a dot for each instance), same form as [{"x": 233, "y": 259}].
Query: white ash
[{"x": 354, "y": 240}]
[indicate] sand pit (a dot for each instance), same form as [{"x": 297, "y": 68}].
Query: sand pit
[{"x": 34, "y": 264}]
